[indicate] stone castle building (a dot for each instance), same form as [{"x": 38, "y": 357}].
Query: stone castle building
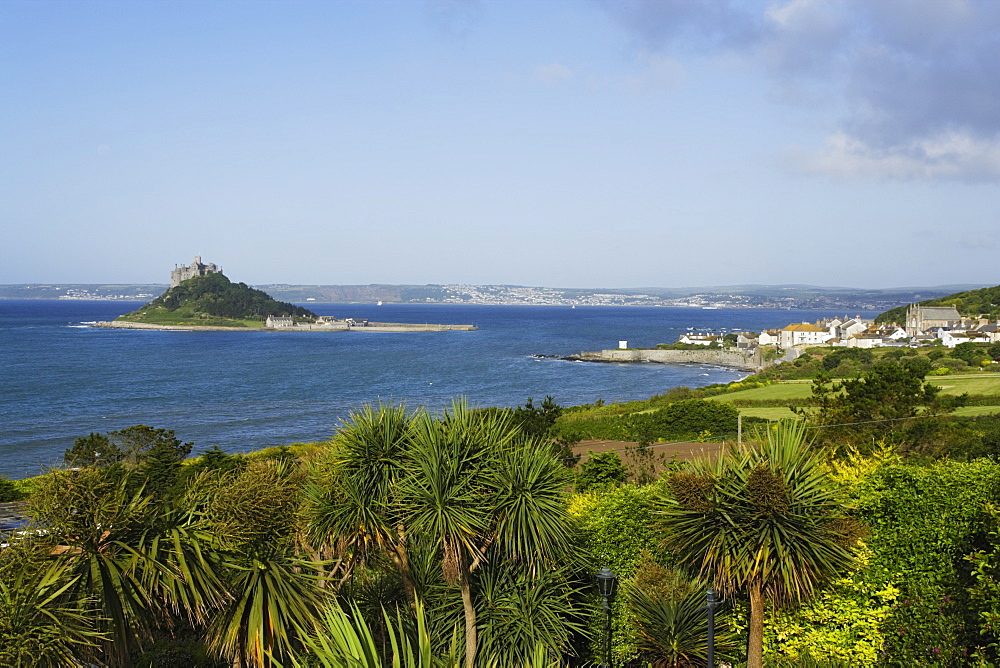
[{"x": 197, "y": 268}]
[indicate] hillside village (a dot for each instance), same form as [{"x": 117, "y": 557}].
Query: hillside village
[{"x": 924, "y": 325}]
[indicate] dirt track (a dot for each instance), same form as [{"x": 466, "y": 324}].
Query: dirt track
[{"x": 685, "y": 451}]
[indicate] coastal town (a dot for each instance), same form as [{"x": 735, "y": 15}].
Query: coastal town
[{"x": 924, "y": 325}]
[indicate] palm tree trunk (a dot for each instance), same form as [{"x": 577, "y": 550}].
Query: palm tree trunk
[
  {"x": 755, "y": 644},
  {"x": 401, "y": 558},
  {"x": 470, "y": 617}
]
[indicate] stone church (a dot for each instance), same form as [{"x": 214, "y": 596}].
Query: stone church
[{"x": 921, "y": 318}]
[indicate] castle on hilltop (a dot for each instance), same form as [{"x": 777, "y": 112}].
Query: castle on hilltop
[{"x": 183, "y": 273}]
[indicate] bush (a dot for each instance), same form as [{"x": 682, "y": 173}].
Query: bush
[
  {"x": 9, "y": 491},
  {"x": 919, "y": 364},
  {"x": 683, "y": 419},
  {"x": 600, "y": 471},
  {"x": 923, "y": 522},
  {"x": 951, "y": 363},
  {"x": 836, "y": 358}
]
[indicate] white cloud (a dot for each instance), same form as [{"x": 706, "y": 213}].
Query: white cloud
[
  {"x": 912, "y": 82},
  {"x": 950, "y": 155},
  {"x": 553, "y": 73}
]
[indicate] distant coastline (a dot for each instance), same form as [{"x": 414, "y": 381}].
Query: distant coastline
[{"x": 843, "y": 300}]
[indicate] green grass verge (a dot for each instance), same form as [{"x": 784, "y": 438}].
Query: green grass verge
[
  {"x": 768, "y": 413},
  {"x": 189, "y": 318}
]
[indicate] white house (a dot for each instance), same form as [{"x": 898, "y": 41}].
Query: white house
[
  {"x": 952, "y": 339},
  {"x": 865, "y": 341},
  {"x": 768, "y": 338},
  {"x": 803, "y": 334},
  {"x": 849, "y": 328},
  {"x": 277, "y": 322},
  {"x": 700, "y": 339}
]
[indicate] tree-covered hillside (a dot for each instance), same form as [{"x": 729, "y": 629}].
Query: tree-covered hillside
[
  {"x": 214, "y": 297},
  {"x": 984, "y": 301}
]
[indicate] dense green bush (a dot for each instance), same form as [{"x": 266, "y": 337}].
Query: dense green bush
[
  {"x": 951, "y": 363},
  {"x": 8, "y": 491},
  {"x": 600, "y": 471},
  {"x": 923, "y": 521}
]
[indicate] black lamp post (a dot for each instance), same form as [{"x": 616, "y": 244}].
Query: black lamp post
[
  {"x": 711, "y": 603},
  {"x": 607, "y": 585}
]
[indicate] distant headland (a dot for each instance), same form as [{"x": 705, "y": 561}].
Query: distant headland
[{"x": 201, "y": 297}]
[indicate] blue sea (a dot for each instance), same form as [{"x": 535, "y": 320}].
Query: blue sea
[{"x": 246, "y": 390}]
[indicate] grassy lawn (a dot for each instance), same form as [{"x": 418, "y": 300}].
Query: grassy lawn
[
  {"x": 796, "y": 389},
  {"x": 780, "y": 390},
  {"x": 969, "y": 383},
  {"x": 768, "y": 413},
  {"x": 970, "y": 411},
  {"x": 186, "y": 317}
]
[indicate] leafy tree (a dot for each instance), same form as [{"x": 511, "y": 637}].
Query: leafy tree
[
  {"x": 970, "y": 353},
  {"x": 994, "y": 351},
  {"x": 764, "y": 521},
  {"x": 537, "y": 420},
  {"x": 837, "y": 357},
  {"x": 214, "y": 459},
  {"x": 688, "y": 418},
  {"x": 918, "y": 365},
  {"x": 602, "y": 469},
  {"x": 93, "y": 450}
]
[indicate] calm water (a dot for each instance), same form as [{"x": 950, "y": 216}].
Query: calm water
[{"x": 247, "y": 390}]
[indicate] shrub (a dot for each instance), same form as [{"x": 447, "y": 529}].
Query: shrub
[
  {"x": 9, "y": 491},
  {"x": 600, "y": 471}
]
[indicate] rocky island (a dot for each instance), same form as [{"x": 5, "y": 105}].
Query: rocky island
[{"x": 202, "y": 298}]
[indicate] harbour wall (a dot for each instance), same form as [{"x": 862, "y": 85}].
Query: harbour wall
[{"x": 740, "y": 358}]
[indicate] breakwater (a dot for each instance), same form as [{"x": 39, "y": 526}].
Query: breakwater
[{"x": 740, "y": 358}]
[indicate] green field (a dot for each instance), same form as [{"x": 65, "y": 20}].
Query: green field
[
  {"x": 161, "y": 316},
  {"x": 795, "y": 391}
]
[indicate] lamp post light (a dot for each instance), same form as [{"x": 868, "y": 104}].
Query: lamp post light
[{"x": 607, "y": 585}]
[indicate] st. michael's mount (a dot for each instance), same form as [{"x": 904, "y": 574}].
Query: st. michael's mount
[{"x": 202, "y": 298}]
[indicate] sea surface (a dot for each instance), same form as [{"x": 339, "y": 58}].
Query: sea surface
[{"x": 61, "y": 378}]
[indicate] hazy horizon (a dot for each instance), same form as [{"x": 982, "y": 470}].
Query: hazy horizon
[{"x": 566, "y": 144}]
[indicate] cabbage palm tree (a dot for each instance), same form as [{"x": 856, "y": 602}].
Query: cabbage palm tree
[
  {"x": 38, "y": 625},
  {"x": 274, "y": 598},
  {"x": 763, "y": 521},
  {"x": 94, "y": 524},
  {"x": 353, "y": 503},
  {"x": 477, "y": 490},
  {"x": 466, "y": 485}
]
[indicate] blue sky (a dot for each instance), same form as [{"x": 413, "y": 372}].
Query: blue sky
[{"x": 563, "y": 143}]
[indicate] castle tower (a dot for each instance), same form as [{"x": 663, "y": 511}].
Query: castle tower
[{"x": 197, "y": 268}]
